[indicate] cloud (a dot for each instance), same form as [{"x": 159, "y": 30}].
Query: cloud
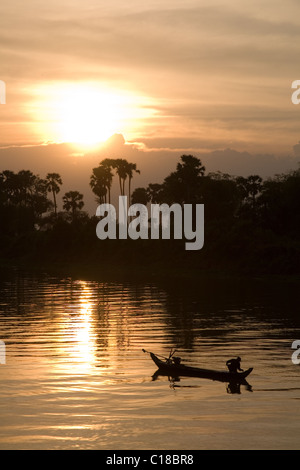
[
  {"x": 219, "y": 72},
  {"x": 187, "y": 40},
  {"x": 155, "y": 164}
]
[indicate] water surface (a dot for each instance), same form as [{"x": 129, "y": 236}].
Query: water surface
[{"x": 76, "y": 377}]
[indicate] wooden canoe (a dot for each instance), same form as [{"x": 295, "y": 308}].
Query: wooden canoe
[{"x": 177, "y": 370}]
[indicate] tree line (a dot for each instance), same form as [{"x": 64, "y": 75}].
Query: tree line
[
  {"x": 25, "y": 203},
  {"x": 239, "y": 211},
  {"x": 24, "y": 199},
  {"x": 273, "y": 203}
]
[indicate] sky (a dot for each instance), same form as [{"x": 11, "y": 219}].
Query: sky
[{"x": 211, "y": 78}]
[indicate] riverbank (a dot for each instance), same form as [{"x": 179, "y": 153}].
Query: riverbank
[
  {"x": 179, "y": 271},
  {"x": 230, "y": 251}
]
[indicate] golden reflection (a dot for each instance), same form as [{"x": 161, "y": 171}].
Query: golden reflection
[
  {"x": 99, "y": 329},
  {"x": 83, "y": 351}
]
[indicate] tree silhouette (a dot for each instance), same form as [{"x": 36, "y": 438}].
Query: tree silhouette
[
  {"x": 102, "y": 176},
  {"x": 101, "y": 180},
  {"x": 155, "y": 193},
  {"x": 73, "y": 202},
  {"x": 107, "y": 164},
  {"x": 121, "y": 166},
  {"x": 25, "y": 197},
  {"x": 140, "y": 196},
  {"x": 250, "y": 189},
  {"x": 189, "y": 172},
  {"x": 183, "y": 185},
  {"x": 131, "y": 167},
  {"x": 8, "y": 185},
  {"x": 251, "y": 225},
  {"x": 25, "y": 187},
  {"x": 220, "y": 196},
  {"x": 54, "y": 182}
]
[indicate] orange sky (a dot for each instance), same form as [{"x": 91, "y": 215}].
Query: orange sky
[{"x": 172, "y": 76}]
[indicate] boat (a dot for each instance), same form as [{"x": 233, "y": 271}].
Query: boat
[{"x": 170, "y": 368}]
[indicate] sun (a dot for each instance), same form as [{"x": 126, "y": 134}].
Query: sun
[
  {"x": 88, "y": 116},
  {"x": 85, "y": 113}
]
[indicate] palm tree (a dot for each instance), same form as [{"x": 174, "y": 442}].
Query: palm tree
[
  {"x": 73, "y": 201},
  {"x": 131, "y": 167},
  {"x": 121, "y": 166},
  {"x": 97, "y": 183},
  {"x": 102, "y": 176},
  {"x": 53, "y": 182},
  {"x": 101, "y": 180}
]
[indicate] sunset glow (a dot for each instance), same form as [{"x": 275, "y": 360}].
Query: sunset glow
[
  {"x": 150, "y": 227},
  {"x": 85, "y": 114}
]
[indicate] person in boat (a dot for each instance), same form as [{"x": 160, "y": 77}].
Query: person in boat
[
  {"x": 176, "y": 360},
  {"x": 234, "y": 365}
]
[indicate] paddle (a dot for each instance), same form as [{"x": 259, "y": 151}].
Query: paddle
[
  {"x": 172, "y": 353},
  {"x": 163, "y": 357}
]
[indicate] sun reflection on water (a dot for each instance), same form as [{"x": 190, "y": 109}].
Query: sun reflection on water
[
  {"x": 83, "y": 350},
  {"x": 76, "y": 376}
]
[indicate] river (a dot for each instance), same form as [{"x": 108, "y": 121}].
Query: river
[{"x": 75, "y": 375}]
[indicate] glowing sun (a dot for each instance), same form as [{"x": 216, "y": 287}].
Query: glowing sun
[
  {"x": 88, "y": 116},
  {"x": 85, "y": 114}
]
